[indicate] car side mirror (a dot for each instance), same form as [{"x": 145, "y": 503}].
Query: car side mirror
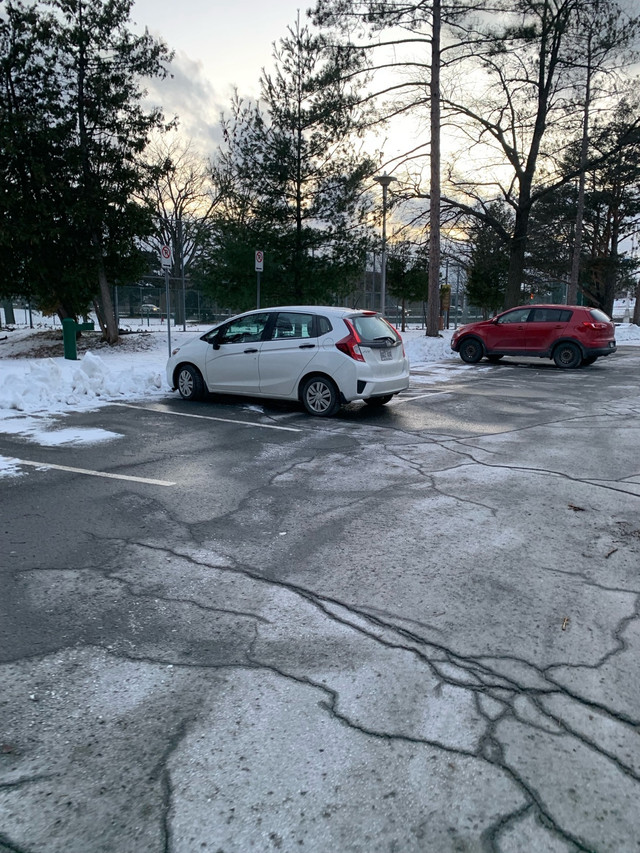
[{"x": 215, "y": 341}]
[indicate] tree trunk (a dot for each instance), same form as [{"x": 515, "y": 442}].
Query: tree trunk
[
  {"x": 110, "y": 328},
  {"x": 572, "y": 290},
  {"x": 611, "y": 272},
  {"x": 433, "y": 315},
  {"x": 636, "y": 310},
  {"x": 513, "y": 292}
]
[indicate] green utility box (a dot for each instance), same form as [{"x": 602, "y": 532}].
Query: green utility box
[{"x": 69, "y": 331}]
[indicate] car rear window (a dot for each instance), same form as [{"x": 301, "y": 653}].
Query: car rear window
[
  {"x": 599, "y": 316},
  {"x": 373, "y": 327}
]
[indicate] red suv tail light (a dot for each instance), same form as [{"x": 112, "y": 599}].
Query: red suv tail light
[
  {"x": 597, "y": 326},
  {"x": 349, "y": 345}
]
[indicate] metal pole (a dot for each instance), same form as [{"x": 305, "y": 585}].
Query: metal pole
[
  {"x": 373, "y": 283},
  {"x": 383, "y": 277},
  {"x": 184, "y": 295},
  {"x": 258, "y": 290},
  {"x": 168, "y": 298}
]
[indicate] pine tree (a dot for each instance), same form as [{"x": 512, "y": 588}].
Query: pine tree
[
  {"x": 75, "y": 128},
  {"x": 294, "y": 175}
]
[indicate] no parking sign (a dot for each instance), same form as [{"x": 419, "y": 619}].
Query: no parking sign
[
  {"x": 259, "y": 261},
  {"x": 165, "y": 256}
]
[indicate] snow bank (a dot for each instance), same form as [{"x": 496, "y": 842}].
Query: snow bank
[{"x": 55, "y": 384}]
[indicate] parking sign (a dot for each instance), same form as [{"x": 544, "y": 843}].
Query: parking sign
[
  {"x": 165, "y": 256},
  {"x": 259, "y": 261}
]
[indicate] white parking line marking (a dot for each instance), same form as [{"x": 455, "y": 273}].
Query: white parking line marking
[
  {"x": 93, "y": 473},
  {"x": 208, "y": 418},
  {"x": 400, "y": 400}
]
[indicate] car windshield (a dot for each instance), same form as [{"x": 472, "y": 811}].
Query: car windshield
[{"x": 373, "y": 327}]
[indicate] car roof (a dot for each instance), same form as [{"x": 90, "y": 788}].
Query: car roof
[
  {"x": 551, "y": 305},
  {"x": 329, "y": 310}
]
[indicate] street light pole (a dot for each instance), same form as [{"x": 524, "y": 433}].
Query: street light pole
[{"x": 384, "y": 181}]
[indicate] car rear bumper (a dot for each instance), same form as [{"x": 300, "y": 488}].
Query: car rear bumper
[
  {"x": 601, "y": 350},
  {"x": 366, "y": 388}
]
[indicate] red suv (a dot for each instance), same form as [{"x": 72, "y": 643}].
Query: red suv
[{"x": 572, "y": 335}]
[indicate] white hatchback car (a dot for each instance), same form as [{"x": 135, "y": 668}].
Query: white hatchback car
[{"x": 323, "y": 357}]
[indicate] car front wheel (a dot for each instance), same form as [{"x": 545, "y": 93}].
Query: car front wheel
[
  {"x": 190, "y": 383},
  {"x": 470, "y": 350},
  {"x": 567, "y": 356},
  {"x": 379, "y": 401},
  {"x": 320, "y": 397}
]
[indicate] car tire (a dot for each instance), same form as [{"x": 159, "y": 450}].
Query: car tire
[
  {"x": 320, "y": 397},
  {"x": 471, "y": 350},
  {"x": 567, "y": 356},
  {"x": 190, "y": 383},
  {"x": 589, "y": 360},
  {"x": 494, "y": 359},
  {"x": 378, "y": 401}
]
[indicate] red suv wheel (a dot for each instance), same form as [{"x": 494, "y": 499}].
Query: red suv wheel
[{"x": 471, "y": 350}]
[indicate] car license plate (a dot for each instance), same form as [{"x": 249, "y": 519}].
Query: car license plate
[{"x": 386, "y": 355}]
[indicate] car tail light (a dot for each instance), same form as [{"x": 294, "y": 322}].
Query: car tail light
[
  {"x": 597, "y": 326},
  {"x": 350, "y": 345}
]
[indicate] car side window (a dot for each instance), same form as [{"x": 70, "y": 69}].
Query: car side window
[
  {"x": 322, "y": 325},
  {"x": 520, "y": 315},
  {"x": 243, "y": 330},
  {"x": 292, "y": 325},
  {"x": 549, "y": 315}
]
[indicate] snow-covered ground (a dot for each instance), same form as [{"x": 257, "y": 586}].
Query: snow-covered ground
[{"x": 36, "y": 382}]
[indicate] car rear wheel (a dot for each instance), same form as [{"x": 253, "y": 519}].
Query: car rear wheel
[
  {"x": 567, "y": 356},
  {"x": 320, "y": 397},
  {"x": 379, "y": 401},
  {"x": 470, "y": 350},
  {"x": 589, "y": 360},
  {"x": 190, "y": 383},
  {"x": 494, "y": 359}
]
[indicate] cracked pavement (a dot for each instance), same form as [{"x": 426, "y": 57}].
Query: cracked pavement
[{"x": 408, "y": 630}]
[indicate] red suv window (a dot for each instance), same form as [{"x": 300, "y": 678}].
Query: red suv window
[{"x": 549, "y": 315}]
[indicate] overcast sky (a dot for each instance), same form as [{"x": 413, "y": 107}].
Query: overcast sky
[{"x": 218, "y": 45}]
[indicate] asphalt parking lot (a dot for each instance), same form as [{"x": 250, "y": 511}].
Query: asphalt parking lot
[{"x": 233, "y": 627}]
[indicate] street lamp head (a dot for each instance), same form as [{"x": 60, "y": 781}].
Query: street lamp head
[{"x": 384, "y": 180}]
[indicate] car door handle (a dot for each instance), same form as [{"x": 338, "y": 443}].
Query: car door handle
[
  {"x": 306, "y": 346},
  {"x": 251, "y": 350}
]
